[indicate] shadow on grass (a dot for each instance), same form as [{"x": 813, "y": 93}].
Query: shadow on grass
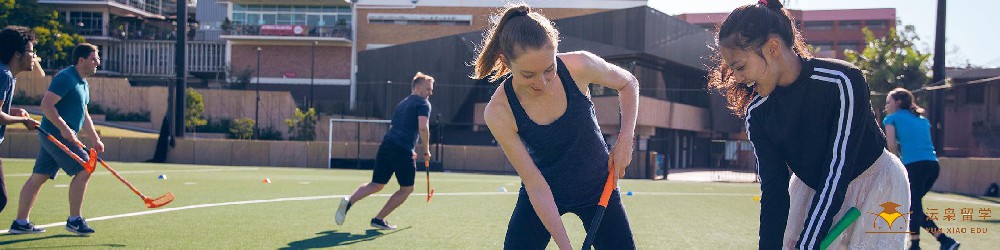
[
  {"x": 333, "y": 238},
  {"x": 7, "y": 244}
]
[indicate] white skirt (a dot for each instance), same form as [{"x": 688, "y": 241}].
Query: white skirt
[{"x": 884, "y": 181}]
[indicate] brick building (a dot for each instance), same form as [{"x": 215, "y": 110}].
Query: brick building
[
  {"x": 290, "y": 34},
  {"x": 829, "y": 31}
]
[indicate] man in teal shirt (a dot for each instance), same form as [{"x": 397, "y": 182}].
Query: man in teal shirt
[{"x": 65, "y": 109}]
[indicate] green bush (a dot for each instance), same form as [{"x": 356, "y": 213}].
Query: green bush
[
  {"x": 22, "y": 99},
  {"x": 95, "y": 109},
  {"x": 269, "y": 134},
  {"x": 194, "y": 110},
  {"x": 215, "y": 126},
  {"x": 115, "y": 115},
  {"x": 302, "y": 126},
  {"x": 241, "y": 128}
]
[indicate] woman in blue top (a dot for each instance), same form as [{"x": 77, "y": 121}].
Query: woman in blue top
[
  {"x": 907, "y": 126},
  {"x": 543, "y": 118}
]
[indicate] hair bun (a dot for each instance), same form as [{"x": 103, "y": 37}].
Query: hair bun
[{"x": 772, "y": 4}]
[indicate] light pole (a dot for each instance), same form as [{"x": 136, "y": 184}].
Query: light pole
[
  {"x": 256, "y": 109},
  {"x": 354, "y": 51},
  {"x": 312, "y": 77}
]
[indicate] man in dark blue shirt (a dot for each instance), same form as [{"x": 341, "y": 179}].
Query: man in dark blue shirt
[
  {"x": 396, "y": 153},
  {"x": 17, "y": 54}
]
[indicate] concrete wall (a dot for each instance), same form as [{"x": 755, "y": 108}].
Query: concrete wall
[
  {"x": 969, "y": 176},
  {"x": 117, "y": 93},
  {"x": 312, "y": 154}
]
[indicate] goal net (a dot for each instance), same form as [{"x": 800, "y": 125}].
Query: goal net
[{"x": 354, "y": 142}]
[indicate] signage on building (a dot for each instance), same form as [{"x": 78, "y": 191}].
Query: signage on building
[
  {"x": 417, "y": 17},
  {"x": 282, "y": 30}
]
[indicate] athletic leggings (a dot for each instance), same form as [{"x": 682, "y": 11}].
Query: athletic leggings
[
  {"x": 922, "y": 176},
  {"x": 3, "y": 186},
  {"x": 525, "y": 230}
]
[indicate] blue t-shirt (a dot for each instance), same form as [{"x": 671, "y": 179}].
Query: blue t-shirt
[
  {"x": 913, "y": 133},
  {"x": 75, "y": 93},
  {"x": 6, "y": 92},
  {"x": 405, "y": 127}
]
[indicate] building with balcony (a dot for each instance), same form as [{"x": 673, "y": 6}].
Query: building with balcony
[
  {"x": 831, "y": 32},
  {"x": 306, "y": 46},
  {"x": 680, "y": 125},
  {"x": 137, "y": 38}
]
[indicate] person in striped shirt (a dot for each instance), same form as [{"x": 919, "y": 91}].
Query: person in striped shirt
[{"x": 818, "y": 146}]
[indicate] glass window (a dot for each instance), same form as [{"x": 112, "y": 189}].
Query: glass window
[
  {"x": 875, "y": 24},
  {"x": 239, "y": 7},
  {"x": 819, "y": 25},
  {"x": 240, "y": 17},
  {"x": 253, "y": 19},
  {"x": 855, "y": 46},
  {"x": 270, "y": 18},
  {"x": 313, "y": 20},
  {"x": 284, "y": 19},
  {"x": 850, "y": 25},
  {"x": 329, "y": 20},
  {"x": 823, "y": 46},
  {"x": 298, "y": 19}
]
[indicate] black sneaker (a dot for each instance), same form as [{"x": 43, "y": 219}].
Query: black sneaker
[
  {"x": 25, "y": 229},
  {"x": 947, "y": 243},
  {"x": 79, "y": 226},
  {"x": 382, "y": 224}
]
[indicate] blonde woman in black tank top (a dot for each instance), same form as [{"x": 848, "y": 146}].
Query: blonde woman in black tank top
[{"x": 542, "y": 117}]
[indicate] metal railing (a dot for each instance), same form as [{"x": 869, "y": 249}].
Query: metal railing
[{"x": 156, "y": 58}]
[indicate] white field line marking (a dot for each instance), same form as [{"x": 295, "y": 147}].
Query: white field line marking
[
  {"x": 99, "y": 172},
  {"x": 309, "y": 198}
]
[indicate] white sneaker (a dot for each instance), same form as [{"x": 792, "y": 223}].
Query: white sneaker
[{"x": 342, "y": 210}]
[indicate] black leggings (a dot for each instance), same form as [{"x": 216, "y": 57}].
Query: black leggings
[
  {"x": 922, "y": 176},
  {"x": 3, "y": 186},
  {"x": 526, "y": 231}
]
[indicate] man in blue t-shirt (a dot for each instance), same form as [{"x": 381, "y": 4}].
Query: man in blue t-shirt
[
  {"x": 396, "y": 153},
  {"x": 65, "y": 109},
  {"x": 17, "y": 54}
]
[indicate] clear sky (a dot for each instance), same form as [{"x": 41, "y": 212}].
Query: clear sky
[{"x": 972, "y": 32}]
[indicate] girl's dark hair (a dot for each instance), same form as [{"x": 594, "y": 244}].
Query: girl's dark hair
[
  {"x": 514, "y": 29},
  {"x": 15, "y": 39},
  {"x": 748, "y": 28},
  {"x": 906, "y": 101}
]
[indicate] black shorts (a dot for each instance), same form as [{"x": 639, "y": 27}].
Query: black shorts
[
  {"x": 392, "y": 158},
  {"x": 526, "y": 231}
]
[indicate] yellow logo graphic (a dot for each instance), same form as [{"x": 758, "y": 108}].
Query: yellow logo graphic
[{"x": 889, "y": 215}]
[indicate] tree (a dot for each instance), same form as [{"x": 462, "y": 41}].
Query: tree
[
  {"x": 891, "y": 62},
  {"x": 302, "y": 127},
  {"x": 194, "y": 110},
  {"x": 55, "y": 41},
  {"x": 241, "y": 128}
]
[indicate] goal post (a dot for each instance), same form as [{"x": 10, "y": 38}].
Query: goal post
[{"x": 344, "y": 132}]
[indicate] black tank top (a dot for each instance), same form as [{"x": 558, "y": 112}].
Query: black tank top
[{"x": 570, "y": 152}]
